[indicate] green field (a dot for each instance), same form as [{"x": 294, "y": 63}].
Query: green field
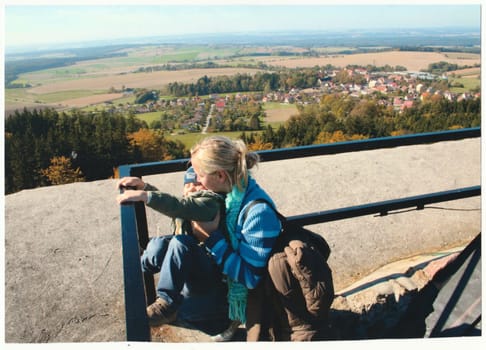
[
  {"x": 277, "y": 105},
  {"x": 190, "y": 139},
  {"x": 15, "y": 95},
  {"x": 136, "y": 58},
  {"x": 123, "y": 100},
  {"x": 469, "y": 78},
  {"x": 54, "y": 97},
  {"x": 469, "y": 84},
  {"x": 68, "y": 71},
  {"x": 149, "y": 117}
]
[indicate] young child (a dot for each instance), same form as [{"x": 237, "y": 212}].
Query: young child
[{"x": 197, "y": 203}]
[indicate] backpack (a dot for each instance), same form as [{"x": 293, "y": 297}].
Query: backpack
[{"x": 299, "y": 285}]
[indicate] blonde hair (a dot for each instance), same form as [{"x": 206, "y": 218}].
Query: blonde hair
[{"x": 232, "y": 156}]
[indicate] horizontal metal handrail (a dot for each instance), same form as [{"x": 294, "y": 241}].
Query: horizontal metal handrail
[
  {"x": 139, "y": 288},
  {"x": 384, "y": 207}
]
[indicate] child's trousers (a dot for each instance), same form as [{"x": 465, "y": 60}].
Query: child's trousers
[{"x": 189, "y": 279}]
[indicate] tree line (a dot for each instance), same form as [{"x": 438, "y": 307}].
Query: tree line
[
  {"x": 88, "y": 146},
  {"x": 199, "y": 65},
  {"x": 266, "y": 82}
]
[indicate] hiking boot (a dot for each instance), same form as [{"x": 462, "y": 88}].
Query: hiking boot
[{"x": 159, "y": 313}]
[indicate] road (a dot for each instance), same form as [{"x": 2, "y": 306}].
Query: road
[{"x": 208, "y": 120}]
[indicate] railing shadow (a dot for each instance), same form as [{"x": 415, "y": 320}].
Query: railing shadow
[{"x": 392, "y": 276}]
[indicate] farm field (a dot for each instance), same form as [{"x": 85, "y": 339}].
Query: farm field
[
  {"x": 279, "y": 112},
  {"x": 190, "y": 139},
  {"x": 91, "y": 82},
  {"x": 155, "y": 80},
  {"x": 412, "y": 60},
  {"x": 470, "y": 78},
  {"x": 93, "y": 99},
  {"x": 38, "y": 95}
]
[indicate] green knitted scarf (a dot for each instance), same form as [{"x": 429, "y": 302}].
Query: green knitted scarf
[{"x": 237, "y": 292}]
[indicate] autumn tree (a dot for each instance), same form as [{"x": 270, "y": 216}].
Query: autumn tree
[
  {"x": 151, "y": 146},
  {"x": 259, "y": 145},
  {"x": 61, "y": 171}
]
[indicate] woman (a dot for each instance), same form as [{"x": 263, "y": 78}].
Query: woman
[
  {"x": 240, "y": 245},
  {"x": 222, "y": 165}
]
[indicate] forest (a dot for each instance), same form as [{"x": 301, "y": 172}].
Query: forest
[{"x": 46, "y": 147}]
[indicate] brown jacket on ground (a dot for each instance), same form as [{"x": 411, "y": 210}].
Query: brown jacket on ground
[{"x": 292, "y": 302}]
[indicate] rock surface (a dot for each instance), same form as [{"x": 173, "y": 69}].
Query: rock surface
[{"x": 63, "y": 266}]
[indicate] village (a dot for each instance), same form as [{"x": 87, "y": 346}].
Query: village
[{"x": 396, "y": 90}]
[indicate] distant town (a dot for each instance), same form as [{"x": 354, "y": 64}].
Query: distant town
[{"x": 396, "y": 90}]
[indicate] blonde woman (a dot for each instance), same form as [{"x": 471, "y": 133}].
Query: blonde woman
[{"x": 222, "y": 165}]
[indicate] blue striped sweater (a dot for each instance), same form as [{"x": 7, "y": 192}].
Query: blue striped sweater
[{"x": 257, "y": 236}]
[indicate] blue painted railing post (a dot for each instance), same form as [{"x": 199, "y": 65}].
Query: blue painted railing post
[{"x": 137, "y": 327}]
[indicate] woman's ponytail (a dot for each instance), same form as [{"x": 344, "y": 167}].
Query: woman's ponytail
[{"x": 244, "y": 162}]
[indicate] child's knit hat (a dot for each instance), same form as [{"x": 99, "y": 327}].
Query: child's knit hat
[{"x": 190, "y": 176}]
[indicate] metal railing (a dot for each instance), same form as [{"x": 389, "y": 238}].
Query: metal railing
[{"x": 139, "y": 288}]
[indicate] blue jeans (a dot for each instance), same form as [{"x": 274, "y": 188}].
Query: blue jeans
[{"x": 189, "y": 279}]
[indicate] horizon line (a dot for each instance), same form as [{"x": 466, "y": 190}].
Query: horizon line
[{"x": 254, "y": 32}]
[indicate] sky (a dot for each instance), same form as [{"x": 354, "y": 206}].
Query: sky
[{"x": 27, "y": 23}]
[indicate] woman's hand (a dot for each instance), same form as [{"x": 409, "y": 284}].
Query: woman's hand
[
  {"x": 132, "y": 196},
  {"x": 202, "y": 229},
  {"x": 132, "y": 182}
]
